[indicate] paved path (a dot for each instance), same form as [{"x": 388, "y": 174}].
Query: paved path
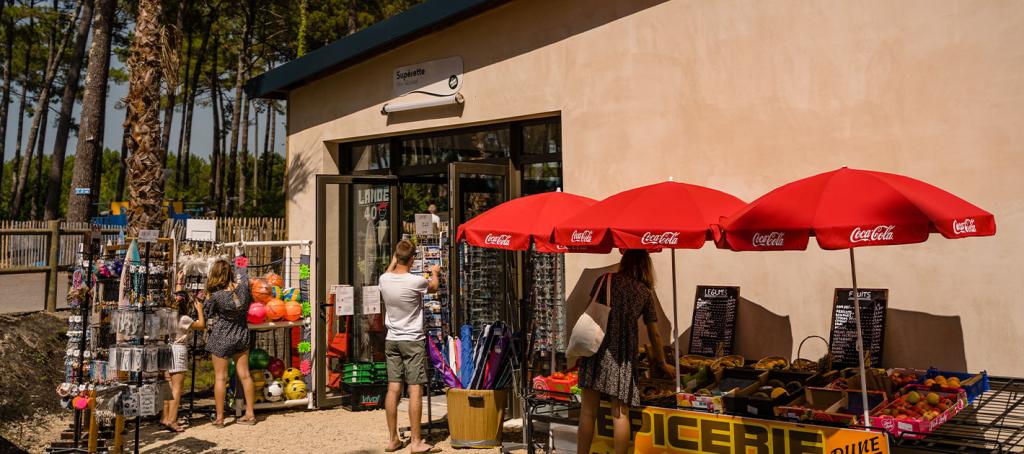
[{"x": 27, "y": 292}]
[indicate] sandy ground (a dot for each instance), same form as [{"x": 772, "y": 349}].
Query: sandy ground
[
  {"x": 333, "y": 430},
  {"x": 27, "y": 292}
]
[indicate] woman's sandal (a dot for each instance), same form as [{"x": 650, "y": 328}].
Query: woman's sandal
[
  {"x": 248, "y": 422},
  {"x": 401, "y": 445},
  {"x": 172, "y": 429}
]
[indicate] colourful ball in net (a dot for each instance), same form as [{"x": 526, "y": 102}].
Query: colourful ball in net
[
  {"x": 291, "y": 374},
  {"x": 261, "y": 291},
  {"x": 292, "y": 311},
  {"x": 295, "y": 389},
  {"x": 275, "y": 309},
  {"x": 306, "y": 367},
  {"x": 258, "y": 358},
  {"x": 257, "y": 313},
  {"x": 274, "y": 279},
  {"x": 275, "y": 367}
]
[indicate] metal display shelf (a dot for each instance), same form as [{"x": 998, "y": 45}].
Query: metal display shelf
[
  {"x": 993, "y": 423},
  {"x": 276, "y": 325}
]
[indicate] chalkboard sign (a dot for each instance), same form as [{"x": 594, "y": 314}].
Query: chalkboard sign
[
  {"x": 714, "y": 320},
  {"x": 843, "y": 336}
]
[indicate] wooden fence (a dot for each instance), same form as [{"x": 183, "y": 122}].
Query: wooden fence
[{"x": 53, "y": 246}]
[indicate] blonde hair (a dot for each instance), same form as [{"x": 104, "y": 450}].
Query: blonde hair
[
  {"x": 636, "y": 263},
  {"x": 220, "y": 276}
]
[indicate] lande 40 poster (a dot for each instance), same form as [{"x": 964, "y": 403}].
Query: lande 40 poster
[{"x": 666, "y": 431}]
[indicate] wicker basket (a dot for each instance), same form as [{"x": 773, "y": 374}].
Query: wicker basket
[{"x": 805, "y": 365}]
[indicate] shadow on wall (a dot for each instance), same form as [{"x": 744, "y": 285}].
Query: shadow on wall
[
  {"x": 300, "y": 174},
  {"x": 920, "y": 340},
  {"x": 759, "y": 333}
]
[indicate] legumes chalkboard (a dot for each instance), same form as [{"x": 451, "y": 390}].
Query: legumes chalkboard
[
  {"x": 714, "y": 320},
  {"x": 843, "y": 336}
]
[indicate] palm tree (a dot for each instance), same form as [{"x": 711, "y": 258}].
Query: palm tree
[{"x": 145, "y": 162}]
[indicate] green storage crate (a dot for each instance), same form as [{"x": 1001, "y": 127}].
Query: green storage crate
[{"x": 357, "y": 367}]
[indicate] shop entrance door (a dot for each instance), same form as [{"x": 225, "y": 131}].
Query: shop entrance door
[
  {"x": 481, "y": 278},
  {"x": 356, "y": 231}
]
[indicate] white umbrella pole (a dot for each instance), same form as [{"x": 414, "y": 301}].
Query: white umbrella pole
[
  {"x": 675, "y": 324},
  {"x": 860, "y": 342}
]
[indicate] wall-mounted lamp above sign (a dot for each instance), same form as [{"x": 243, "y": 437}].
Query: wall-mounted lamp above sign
[{"x": 437, "y": 83}]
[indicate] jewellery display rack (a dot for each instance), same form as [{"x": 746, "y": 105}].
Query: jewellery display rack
[
  {"x": 291, "y": 341},
  {"x": 481, "y": 277},
  {"x": 547, "y": 285},
  {"x": 78, "y": 357},
  {"x": 193, "y": 260},
  {"x": 143, "y": 323}
]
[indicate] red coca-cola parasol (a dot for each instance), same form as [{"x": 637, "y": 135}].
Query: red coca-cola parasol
[
  {"x": 849, "y": 208},
  {"x": 513, "y": 225},
  {"x": 664, "y": 215}
]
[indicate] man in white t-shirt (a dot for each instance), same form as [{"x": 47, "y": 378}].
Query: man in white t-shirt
[{"x": 405, "y": 346}]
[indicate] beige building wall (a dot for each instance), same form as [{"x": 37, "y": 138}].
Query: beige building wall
[{"x": 744, "y": 96}]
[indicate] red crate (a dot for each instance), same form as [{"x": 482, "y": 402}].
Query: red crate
[{"x": 916, "y": 428}]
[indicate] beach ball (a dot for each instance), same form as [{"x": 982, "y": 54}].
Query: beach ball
[
  {"x": 257, "y": 313},
  {"x": 287, "y": 294},
  {"x": 275, "y": 309},
  {"x": 261, "y": 292},
  {"x": 292, "y": 311},
  {"x": 259, "y": 358},
  {"x": 275, "y": 367},
  {"x": 296, "y": 389},
  {"x": 291, "y": 374},
  {"x": 260, "y": 398},
  {"x": 80, "y": 402},
  {"x": 275, "y": 280},
  {"x": 273, "y": 392}
]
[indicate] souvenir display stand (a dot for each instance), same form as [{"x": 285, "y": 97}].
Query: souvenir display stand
[{"x": 281, "y": 357}]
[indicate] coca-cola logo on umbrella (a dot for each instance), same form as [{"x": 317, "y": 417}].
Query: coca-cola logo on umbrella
[
  {"x": 497, "y": 240},
  {"x": 664, "y": 238},
  {"x": 582, "y": 236},
  {"x": 770, "y": 239},
  {"x": 965, "y": 226},
  {"x": 879, "y": 233}
]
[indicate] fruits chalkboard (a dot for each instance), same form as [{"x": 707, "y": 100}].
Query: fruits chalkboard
[{"x": 843, "y": 336}]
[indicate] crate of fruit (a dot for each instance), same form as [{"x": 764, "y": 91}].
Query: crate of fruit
[
  {"x": 918, "y": 412},
  {"x": 727, "y": 382},
  {"x": 560, "y": 383},
  {"x": 779, "y": 388},
  {"x": 833, "y": 406},
  {"x": 973, "y": 385}
]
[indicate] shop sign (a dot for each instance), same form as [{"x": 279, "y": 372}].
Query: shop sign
[
  {"x": 668, "y": 431},
  {"x": 148, "y": 236},
  {"x": 201, "y": 229},
  {"x": 424, "y": 224},
  {"x": 436, "y": 77},
  {"x": 375, "y": 202}
]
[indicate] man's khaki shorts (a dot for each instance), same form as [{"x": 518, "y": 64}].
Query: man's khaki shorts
[{"x": 407, "y": 362}]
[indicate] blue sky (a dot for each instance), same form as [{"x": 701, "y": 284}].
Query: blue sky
[{"x": 202, "y": 123}]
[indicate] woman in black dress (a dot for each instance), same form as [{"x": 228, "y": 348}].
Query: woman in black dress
[
  {"x": 611, "y": 372},
  {"x": 226, "y": 307}
]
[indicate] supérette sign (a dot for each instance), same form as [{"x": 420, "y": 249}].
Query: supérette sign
[
  {"x": 436, "y": 77},
  {"x": 667, "y": 431}
]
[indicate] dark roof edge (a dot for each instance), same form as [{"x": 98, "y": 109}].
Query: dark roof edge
[{"x": 373, "y": 40}]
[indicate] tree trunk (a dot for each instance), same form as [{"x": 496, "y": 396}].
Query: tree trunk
[
  {"x": 67, "y": 104},
  {"x": 215, "y": 161},
  {"x": 145, "y": 172},
  {"x": 26, "y": 81},
  {"x": 122, "y": 171},
  {"x": 54, "y": 56},
  {"x": 243, "y": 163},
  {"x": 35, "y": 199},
  {"x": 5, "y": 98},
  {"x": 184, "y": 108},
  {"x": 255, "y": 156},
  {"x": 193, "y": 90},
  {"x": 273, "y": 143},
  {"x": 170, "y": 61},
  {"x": 89, "y": 151}
]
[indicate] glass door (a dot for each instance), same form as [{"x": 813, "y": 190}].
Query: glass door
[
  {"x": 357, "y": 227},
  {"x": 481, "y": 277}
]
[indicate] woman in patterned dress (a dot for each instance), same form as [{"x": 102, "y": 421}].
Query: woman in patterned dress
[
  {"x": 611, "y": 372},
  {"x": 229, "y": 336}
]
